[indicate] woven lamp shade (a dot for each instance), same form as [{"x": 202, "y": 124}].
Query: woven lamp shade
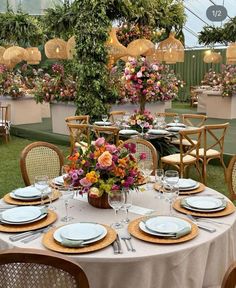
[
  {"x": 140, "y": 47},
  {"x": 212, "y": 57},
  {"x": 171, "y": 50},
  {"x": 15, "y": 54},
  {"x": 115, "y": 49},
  {"x": 70, "y": 47},
  {"x": 55, "y": 49},
  {"x": 231, "y": 54},
  {"x": 33, "y": 55},
  {"x": 2, "y": 50}
]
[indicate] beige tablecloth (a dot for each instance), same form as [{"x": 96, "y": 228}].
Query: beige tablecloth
[{"x": 198, "y": 263}]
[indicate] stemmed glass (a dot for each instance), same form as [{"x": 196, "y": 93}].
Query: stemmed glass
[
  {"x": 116, "y": 199},
  {"x": 170, "y": 195},
  {"x": 41, "y": 183},
  {"x": 159, "y": 177},
  {"x": 142, "y": 125},
  {"x": 67, "y": 195},
  {"x": 127, "y": 204},
  {"x": 126, "y": 117},
  {"x": 176, "y": 119},
  {"x": 104, "y": 118},
  {"x": 146, "y": 168},
  {"x": 171, "y": 188}
]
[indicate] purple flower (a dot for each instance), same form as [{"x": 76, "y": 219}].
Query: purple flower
[
  {"x": 128, "y": 182},
  {"x": 80, "y": 171}
]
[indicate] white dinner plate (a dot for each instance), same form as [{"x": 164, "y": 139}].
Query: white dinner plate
[
  {"x": 59, "y": 180},
  {"x": 101, "y": 123},
  {"x": 146, "y": 230},
  {"x": 186, "y": 183},
  {"x": 204, "y": 202},
  {"x": 203, "y": 210},
  {"x": 128, "y": 132},
  {"x": 166, "y": 224},
  {"x": 157, "y": 132},
  {"x": 43, "y": 215},
  {"x": 190, "y": 188},
  {"x": 176, "y": 125},
  {"x": 27, "y": 192},
  {"x": 175, "y": 129},
  {"x": 81, "y": 231},
  {"x": 12, "y": 195},
  {"x": 57, "y": 234},
  {"x": 21, "y": 214}
]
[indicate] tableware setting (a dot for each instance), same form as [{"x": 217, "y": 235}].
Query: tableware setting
[
  {"x": 163, "y": 229},
  {"x": 81, "y": 237},
  {"x": 175, "y": 128},
  {"x": 102, "y": 123},
  {"x": 175, "y": 124},
  {"x": 157, "y": 132},
  {"x": 128, "y": 132}
]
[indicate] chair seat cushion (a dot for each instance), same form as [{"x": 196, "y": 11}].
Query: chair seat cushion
[
  {"x": 185, "y": 142},
  {"x": 175, "y": 158},
  {"x": 210, "y": 153}
]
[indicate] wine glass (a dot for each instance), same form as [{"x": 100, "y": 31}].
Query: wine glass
[
  {"x": 142, "y": 125},
  {"x": 116, "y": 199},
  {"x": 104, "y": 118},
  {"x": 125, "y": 119},
  {"x": 146, "y": 168},
  {"x": 127, "y": 204},
  {"x": 176, "y": 119},
  {"x": 171, "y": 177},
  {"x": 170, "y": 195},
  {"x": 159, "y": 177},
  {"x": 41, "y": 183},
  {"x": 170, "y": 188},
  {"x": 67, "y": 195}
]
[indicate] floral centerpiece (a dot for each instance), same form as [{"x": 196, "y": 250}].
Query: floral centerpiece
[
  {"x": 212, "y": 78},
  {"x": 148, "y": 82},
  {"x": 137, "y": 117},
  {"x": 103, "y": 168},
  {"x": 229, "y": 80}
]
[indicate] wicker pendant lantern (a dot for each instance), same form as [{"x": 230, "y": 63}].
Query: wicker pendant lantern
[
  {"x": 140, "y": 47},
  {"x": 70, "y": 47},
  {"x": 55, "y": 49},
  {"x": 15, "y": 54},
  {"x": 33, "y": 55},
  {"x": 171, "y": 50},
  {"x": 2, "y": 50},
  {"x": 115, "y": 49},
  {"x": 231, "y": 54},
  {"x": 212, "y": 57}
]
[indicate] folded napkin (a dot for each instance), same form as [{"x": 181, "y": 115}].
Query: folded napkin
[
  {"x": 72, "y": 243},
  {"x": 183, "y": 203}
]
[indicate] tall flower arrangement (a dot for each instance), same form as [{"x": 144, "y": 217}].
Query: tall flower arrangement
[
  {"x": 212, "y": 78},
  {"x": 147, "y": 82},
  {"x": 229, "y": 80},
  {"x": 104, "y": 168}
]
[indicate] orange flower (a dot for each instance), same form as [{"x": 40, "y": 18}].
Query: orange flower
[
  {"x": 119, "y": 172},
  {"x": 105, "y": 160},
  {"x": 92, "y": 177},
  {"x": 123, "y": 162}
]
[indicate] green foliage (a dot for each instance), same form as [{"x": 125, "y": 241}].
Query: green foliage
[{"x": 20, "y": 29}]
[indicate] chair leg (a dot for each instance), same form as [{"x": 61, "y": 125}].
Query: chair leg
[
  {"x": 204, "y": 172},
  {"x": 225, "y": 169},
  {"x": 199, "y": 171}
]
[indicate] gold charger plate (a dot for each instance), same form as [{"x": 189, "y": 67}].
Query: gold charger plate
[
  {"x": 49, "y": 242},
  {"x": 8, "y": 199},
  {"x": 201, "y": 188},
  {"x": 134, "y": 230},
  {"x": 51, "y": 217},
  {"x": 229, "y": 209}
]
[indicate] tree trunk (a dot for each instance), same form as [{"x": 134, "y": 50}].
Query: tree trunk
[{"x": 142, "y": 103}]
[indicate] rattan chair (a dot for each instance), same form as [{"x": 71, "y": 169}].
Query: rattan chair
[
  {"x": 40, "y": 158},
  {"x": 110, "y": 133},
  {"x": 229, "y": 280},
  {"x": 231, "y": 178},
  {"x": 4, "y": 122},
  {"x": 145, "y": 146},
  {"x": 79, "y": 119},
  {"x": 80, "y": 134},
  {"x": 116, "y": 115},
  {"x": 184, "y": 159},
  {"x": 31, "y": 268},
  {"x": 214, "y": 136}
]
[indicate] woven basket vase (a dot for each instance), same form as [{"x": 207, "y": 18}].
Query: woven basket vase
[{"x": 100, "y": 202}]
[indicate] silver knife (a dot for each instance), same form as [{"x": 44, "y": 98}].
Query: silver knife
[
  {"x": 115, "y": 247},
  {"x": 25, "y": 234},
  {"x": 35, "y": 236},
  {"x": 120, "y": 251}
]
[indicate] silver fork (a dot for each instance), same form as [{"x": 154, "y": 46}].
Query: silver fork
[
  {"x": 199, "y": 219},
  {"x": 203, "y": 227},
  {"x": 125, "y": 236}
]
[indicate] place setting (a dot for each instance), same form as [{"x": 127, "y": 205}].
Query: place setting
[
  {"x": 26, "y": 218},
  {"x": 81, "y": 237},
  {"x": 104, "y": 121}
]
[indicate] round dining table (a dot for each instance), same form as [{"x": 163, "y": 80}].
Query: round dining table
[{"x": 200, "y": 262}]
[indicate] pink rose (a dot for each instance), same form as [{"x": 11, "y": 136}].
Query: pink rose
[
  {"x": 100, "y": 141},
  {"x": 111, "y": 148},
  {"x": 143, "y": 156},
  {"x": 85, "y": 182},
  {"x": 105, "y": 160},
  {"x": 139, "y": 74}
]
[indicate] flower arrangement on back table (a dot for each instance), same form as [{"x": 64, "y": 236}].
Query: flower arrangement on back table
[
  {"x": 137, "y": 117},
  {"x": 103, "y": 167},
  {"x": 229, "y": 80}
]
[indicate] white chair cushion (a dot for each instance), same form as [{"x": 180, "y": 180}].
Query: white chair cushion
[
  {"x": 176, "y": 158},
  {"x": 185, "y": 142},
  {"x": 210, "y": 152}
]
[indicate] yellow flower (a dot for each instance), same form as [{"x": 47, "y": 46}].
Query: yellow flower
[{"x": 92, "y": 177}]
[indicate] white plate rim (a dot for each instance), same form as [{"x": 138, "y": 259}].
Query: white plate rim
[
  {"x": 101, "y": 123},
  {"x": 26, "y": 222},
  {"x": 185, "y": 180},
  {"x": 204, "y": 210},
  {"x": 130, "y": 131},
  {"x": 172, "y": 124},
  {"x": 22, "y": 191},
  {"x": 190, "y": 189},
  {"x": 6, "y": 213},
  {"x": 157, "y": 132},
  {"x": 190, "y": 200}
]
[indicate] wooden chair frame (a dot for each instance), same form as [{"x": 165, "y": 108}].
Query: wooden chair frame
[
  {"x": 229, "y": 280},
  {"x": 79, "y": 133},
  {"x": 110, "y": 133},
  {"x": 185, "y": 135},
  {"x": 4, "y": 122},
  {"x": 144, "y": 142},
  {"x": 167, "y": 114},
  {"x": 30, "y": 147},
  {"x": 113, "y": 115},
  {"x": 193, "y": 96},
  {"x": 35, "y": 256},
  {"x": 231, "y": 178},
  {"x": 188, "y": 117},
  {"x": 79, "y": 119}
]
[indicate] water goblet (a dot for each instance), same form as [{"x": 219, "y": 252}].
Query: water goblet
[
  {"x": 142, "y": 125},
  {"x": 125, "y": 119},
  {"x": 170, "y": 194},
  {"x": 116, "y": 200},
  {"x": 41, "y": 183},
  {"x": 159, "y": 177},
  {"x": 171, "y": 177},
  {"x": 176, "y": 119},
  {"x": 67, "y": 195},
  {"x": 146, "y": 168},
  {"x": 127, "y": 204},
  {"x": 104, "y": 118}
]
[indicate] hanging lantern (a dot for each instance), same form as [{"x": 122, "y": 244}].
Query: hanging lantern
[
  {"x": 33, "y": 55},
  {"x": 231, "y": 54},
  {"x": 115, "y": 49},
  {"x": 171, "y": 50},
  {"x": 55, "y": 49},
  {"x": 15, "y": 54},
  {"x": 212, "y": 57},
  {"x": 70, "y": 47},
  {"x": 140, "y": 47}
]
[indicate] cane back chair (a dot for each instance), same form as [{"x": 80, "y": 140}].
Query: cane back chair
[
  {"x": 229, "y": 280},
  {"x": 231, "y": 178},
  {"x": 4, "y": 122},
  {"x": 79, "y": 119},
  {"x": 116, "y": 115},
  {"x": 32, "y": 268},
  {"x": 184, "y": 159},
  {"x": 40, "y": 158}
]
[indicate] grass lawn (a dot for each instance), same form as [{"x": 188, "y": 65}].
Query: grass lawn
[{"x": 10, "y": 175}]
